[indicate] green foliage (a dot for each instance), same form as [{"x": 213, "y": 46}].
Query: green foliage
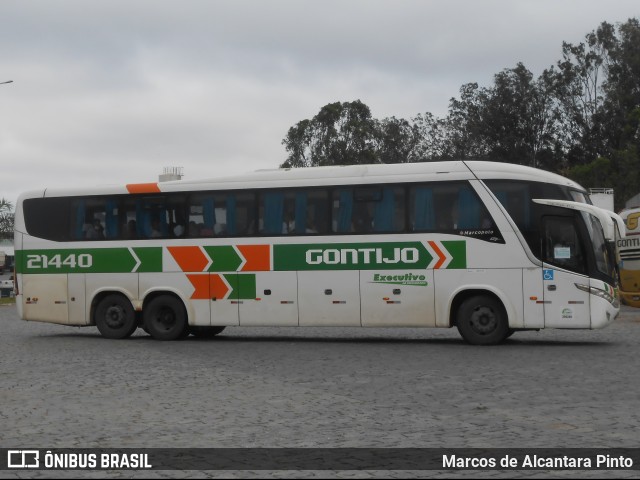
[
  {"x": 580, "y": 117},
  {"x": 6, "y": 219},
  {"x": 621, "y": 171},
  {"x": 340, "y": 134},
  {"x": 594, "y": 174}
]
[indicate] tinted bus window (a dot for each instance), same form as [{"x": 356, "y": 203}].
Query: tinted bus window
[
  {"x": 292, "y": 212},
  {"x": 47, "y": 218},
  {"x": 94, "y": 218},
  {"x": 213, "y": 214},
  {"x": 449, "y": 207},
  {"x": 370, "y": 209},
  {"x": 516, "y": 197}
]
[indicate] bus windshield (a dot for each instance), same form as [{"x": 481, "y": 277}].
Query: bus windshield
[{"x": 603, "y": 261}]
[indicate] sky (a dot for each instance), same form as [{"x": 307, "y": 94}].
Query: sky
[{"x": 111, "y": 92}]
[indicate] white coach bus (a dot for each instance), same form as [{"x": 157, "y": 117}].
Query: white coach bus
[{"x": 490, "y": 248}]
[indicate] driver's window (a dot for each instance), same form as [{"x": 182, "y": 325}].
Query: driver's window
[{"x": 561, "y": 244}]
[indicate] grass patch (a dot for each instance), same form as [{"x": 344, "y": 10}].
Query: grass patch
[{"x": 7, "y": 301}]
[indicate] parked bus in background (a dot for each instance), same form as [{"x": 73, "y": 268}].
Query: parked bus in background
[
  {"x": 629, "y": 250},
  {"x": 490, "y": 248}
]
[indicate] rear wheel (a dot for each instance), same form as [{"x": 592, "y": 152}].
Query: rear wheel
[
  {"x": 205, "y": 332},
  {"x": 114, "y": 316},
  {"x": 481, "y": 320},
  {"x": 165, "y": 318}
]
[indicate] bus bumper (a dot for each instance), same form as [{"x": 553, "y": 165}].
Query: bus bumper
[
  {"x": 602, "y": 312},
  {"x": 20, "y": 306}
]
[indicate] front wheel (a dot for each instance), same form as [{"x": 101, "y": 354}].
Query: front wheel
[
  {"x": 166, "y": 318},
  {"x": 481, "y": 320},
  {"x": 114, "y": 316}
]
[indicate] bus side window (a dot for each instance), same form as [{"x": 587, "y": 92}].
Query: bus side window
[
  {"x": 95, "y": 219},
  {"x": 271, "y": 213},
  {"x": 315, "y": 213},
  {"x": 448, "y": 207},
  {"x": 296, "y": 212},
  {"x": 207, "y": 215},
  {"x": 342, "y": 210},
  {"x": 421, "y": 209},
  {"x": 374, "y": 208},
  {"x": 388, "y": 211}
]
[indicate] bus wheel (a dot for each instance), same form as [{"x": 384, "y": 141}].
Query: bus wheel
[
  {"x": 481, "y": 320},
  {"x": 205, "y": 332},
  {"x": 114, "y": 316},
  {"x": 165, "y": 318}
]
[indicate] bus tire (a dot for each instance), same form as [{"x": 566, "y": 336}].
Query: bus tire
[
  {"x": 114, "y": 316},
  {"x": 482, "y": 320},
  {"x": 165, "y": 318},
  {"x": 205, "y": 332}
]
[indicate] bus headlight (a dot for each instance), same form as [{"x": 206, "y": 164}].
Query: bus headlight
[{"x": 599, "y": 293}]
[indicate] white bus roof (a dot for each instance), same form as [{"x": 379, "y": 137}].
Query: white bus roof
[{"x": 332, "y": 175}]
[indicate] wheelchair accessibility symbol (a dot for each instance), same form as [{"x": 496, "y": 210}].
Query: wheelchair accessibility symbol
[{"x": 547, "y": 274}]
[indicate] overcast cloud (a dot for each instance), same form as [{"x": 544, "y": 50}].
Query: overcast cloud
[{"x": 110, "y": 92}]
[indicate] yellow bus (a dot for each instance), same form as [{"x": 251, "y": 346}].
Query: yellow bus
[{"x": 629, "y": 250}]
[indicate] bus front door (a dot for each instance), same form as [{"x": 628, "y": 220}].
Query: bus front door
[{"x": 565, "y": 306}]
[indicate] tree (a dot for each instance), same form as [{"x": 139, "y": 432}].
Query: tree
[
  {"x": 578, "y": 88},
  {"x": 621, "y": 171},
  {"x": 515, "y": 119},
  {"x": 397, "y": 141},
  {"x": 462, "y": 126},
  {"x": 615, "y": 129},
  {"x": 432, "y": 141},
  {"x": 580, "y": 117},
  {"x": 620, "y": 110},
  {"x": 510, "y": 121},
  {"x": 340, "y": 134},
  {"x": 6, "y": 219}
]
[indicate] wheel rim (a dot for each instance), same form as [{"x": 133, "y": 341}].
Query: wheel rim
[
  {"x": 484, "y": 320},
  {"x": 165, "y": 318},
  {"x": 115, "y": 317}
]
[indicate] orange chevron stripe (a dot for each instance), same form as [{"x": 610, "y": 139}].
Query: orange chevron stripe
[
  {"x": 189, "y": 259},
  {"x": 217, "y": 288},
  {"x": 201, "y": 284},
  {"x": 208, "y": 286},
  {"x": 441, "y": 255},
  {"x": 258, "y": 258}
]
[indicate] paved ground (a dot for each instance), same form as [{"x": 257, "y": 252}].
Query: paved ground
[{"x": 285, "y": 387}]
